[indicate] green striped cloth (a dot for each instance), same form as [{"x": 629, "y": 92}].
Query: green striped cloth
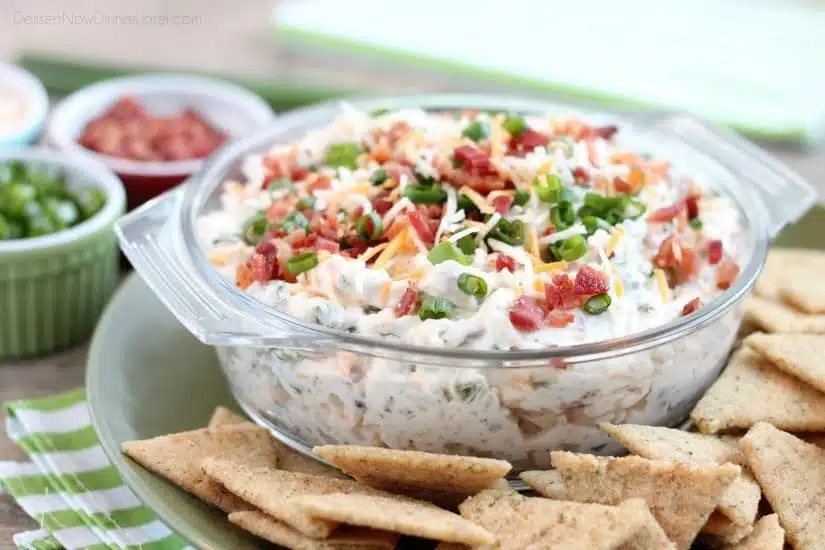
[{"x": 70, "y": 488}]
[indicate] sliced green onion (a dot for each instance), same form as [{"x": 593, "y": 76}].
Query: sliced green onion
[
  {"x": 279, "y": 184},
  {"x": 306, "y": 203},
  {"x": 508, "y": 232},
  {"x": 597, "y": 304},
  {"x": 593, "y": 224},
  {"x": 445, "y": 251},
  {"x": 369, "y": 227},
  {"x": 302, "y": 262},
  {"x": 254, "y": 228},
  {"x": 379, "y": 176},
  {"x": 548, "y": 188},
  {"x": 478, "y": 130},
  {"x": 379, "y": 112},
  {"x": 425, "y": 194},
  {"x": 572, "y": 249},
  {"x": 464, "y": 203},
  {"x": 633, "y": 209},
  {"x": 467, "y": 244},
  {"x": 344, "y": 155},
  {"x": 521, "y": 198},
  {"x": 514, "y": 124},
  {"x": 696, "y": 224},
  {"x": 293, "y": 222},
  {"x": 472, "y": 285},
  {"x": 563, "y": 215},
  {"x": 435, "y": 308}
]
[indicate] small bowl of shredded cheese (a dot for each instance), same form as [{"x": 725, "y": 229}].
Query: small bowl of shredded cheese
[{"x": 23, "y": 106}]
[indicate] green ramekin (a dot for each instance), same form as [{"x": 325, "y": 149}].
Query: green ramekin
[{"x": 53, "y": 288}]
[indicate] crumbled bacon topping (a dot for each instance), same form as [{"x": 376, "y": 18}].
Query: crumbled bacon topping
[
  {"x": 503, "y": 261},
  {"x": 691, "y": 306},
  {"x": 726, "y": 273},
  {"x": 715, "y": 252},
  {"x": 408, "y": 301},
  {"x": 590, "y": 282},
  {"x": 526, "y": 141}
]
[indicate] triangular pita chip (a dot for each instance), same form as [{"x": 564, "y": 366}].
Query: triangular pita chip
[
  {"x": 178, "y": 458},
  {"x": 523, "y": 522},
  {"x": 799, "y": 293},
  {"x": 720, "y": 531},
  {"x": 344, "y": 538},
  {"x": 398, "y": 515},
  {"x": 275, "y": 492},
  {"x": 428, "y": 476},
  {"x": 792, "y": 475},
  {"x": 814, "y": 438},
  {"x": 767, "y": 534},
  {"x": 223, "y": 416},
  {"x": 778, "y": 317},
  {"x": 800, "y": 355},
  {"x": 783, "y": 264},
  {"x": 752, "y": 390},
  {"x": 739, "y": 503},
  {"x": 680, "y": 496}
]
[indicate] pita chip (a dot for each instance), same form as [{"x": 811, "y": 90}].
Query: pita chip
[
  {"x": 752, "y": 390},
  {"x": 800, "y": 355},
  {"x": 783, "y": 264},
  {"x": 178, "y": 458},
  {"x": 428, "y": 476},
  {"x": 720, "y": 531},
  {"x": 680, "y": 496},
  {"x": 224, "y": 416},
  {"x": 275, "y": 492},
  {"x": 778, "y": 317},
  {"x": 739, "y": 503},
  {"x": 767, "y": 534},
  {"x": 345, "y": 538},
  {"x": 792, "y": 475},
  {"x": 526, "y": 522},
  {"x": 398, "y": 515}
]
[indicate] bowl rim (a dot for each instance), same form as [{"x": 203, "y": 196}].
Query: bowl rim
[
  {"x": 34, "y": 94},
  {"x": 222, "y": 290},
  {"x": 60, "y": 134},
  {"x": 97, "y": 174}
]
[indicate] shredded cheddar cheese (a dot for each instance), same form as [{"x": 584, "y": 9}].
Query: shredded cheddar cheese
[
  {"x": 385, "y": 293},
  {"x": 392, "y": 249},
  {"x": 372, "y": 251},
  {"x": 618, "y": 285},
  {"x": 541, "y": 267},
  {"x": 533, "y": 242},
  {"x": 477, "y": 199},
  {"x": 661, "y": 281},
  {"x": 618, "y": 233}
]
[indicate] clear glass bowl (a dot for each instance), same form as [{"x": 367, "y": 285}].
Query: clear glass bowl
[{"x": 313, "y": 385}]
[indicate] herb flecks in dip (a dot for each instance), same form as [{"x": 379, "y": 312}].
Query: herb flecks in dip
[{"x": 476, "y": 230}]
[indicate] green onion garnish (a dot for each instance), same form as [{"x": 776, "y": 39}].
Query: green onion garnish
[
  {"x": 379, "y": 176},
  {"x": 302, "y": 262},
  {"x": 593, "y": 223},
  {"x": 293, "y": 222},
  {"x": 472, "y": 285},
  {"x": 369, "y": 227},
  {"x": 306, "y": 203},
  {"x": 379, "y": 112},
  {"x": 514, "y": 125},
  {"x": 571, "y": 249},
  {"x": 634, "y": 208},
  {"x": 508, "y": 232},
  {"x": 344, "y": 155},
  {"x": 280, "y": 184},
  {"x": 478, "y": 130},
  {"x": 254, "y": 228},
  {"x": 548, "y": 188},
  {"x": 467, "y": 244},
  {"x": 445, "y": 251},
  {"x": 425, "y": 194},
  {"x": 696, "y": 224},
  {"x": 435, "y": 308},
  {"x": 597, "y": 304},
  {"x": 464, "y": 203},
  {"x": 563, "y": 215},
  {"x": 521, "y": 198}
]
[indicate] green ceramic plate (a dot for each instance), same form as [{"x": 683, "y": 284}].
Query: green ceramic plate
[{"x": 148, "y": 376}]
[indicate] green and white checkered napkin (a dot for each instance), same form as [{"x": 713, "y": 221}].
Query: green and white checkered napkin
[{"x": 70, "y": 488}]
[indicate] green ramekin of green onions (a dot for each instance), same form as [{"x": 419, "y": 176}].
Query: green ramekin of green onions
[{"x": 58, "y": 255}]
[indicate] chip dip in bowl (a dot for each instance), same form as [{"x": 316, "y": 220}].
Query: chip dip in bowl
[{"x": 478, "y": 275}]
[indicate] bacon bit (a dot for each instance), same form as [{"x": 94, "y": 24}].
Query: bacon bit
[
  {"x": 474, "y": 161},
  {"x": 381, "y": 205},
  {"x": 677, "y": 260},
  {"x": 726, "y": 273},
  {"x": 604, "y": 132},
  {"x": 581, "y": 175},
  {"x": 559, "y": 319},
  {"x": 633, "y": 184},
  {"x": 266, "y": 247},
  {"x": 322, "y": 243},
  {"x": 264, "y": 268},
  {"x": 503, "y": 261},
  {"x": 560, "y": 294},
  {"x": 526, "y": 314},
  {"x": 502, "y": 204},
  {"x": 666, "y": 213},
  {"x": 421, "y": 227},
  {"x": 715, "y": 252},
  {"x": 590, "y": 282},
  {"x": 280, "y": 208},
  {"x": 692, "y": 206},
  {"x": 317, "y": 182},
  {"x": 526, "y": 141},
  {"x": 549, "y": 230},
  {"x": 298, "y": 173},
  {"x": 408, "y": 301},
  {"x": 356, "y": 247},
  {"x": 691, "y": 306}
]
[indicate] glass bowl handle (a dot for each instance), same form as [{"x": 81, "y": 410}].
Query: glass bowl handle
[
  {"x": 784, "y": 193},
  {"x": 146, "y": 236}
]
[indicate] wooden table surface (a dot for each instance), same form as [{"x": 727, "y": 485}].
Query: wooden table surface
[{"x": 65, "y": 371}]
